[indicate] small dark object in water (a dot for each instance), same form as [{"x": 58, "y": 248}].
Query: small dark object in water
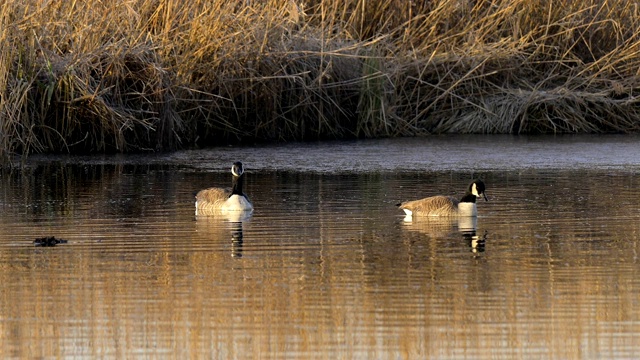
[{"x": 49, "y": 241}]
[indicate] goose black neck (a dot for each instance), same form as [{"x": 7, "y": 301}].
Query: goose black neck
[
  {"x": 468, "y": 198},
  {"x": 237, "y": 185}
]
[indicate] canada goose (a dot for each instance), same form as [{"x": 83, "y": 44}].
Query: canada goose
[
  {"x": 219, "y": 200},
  {"x": 446, "y": 205}
]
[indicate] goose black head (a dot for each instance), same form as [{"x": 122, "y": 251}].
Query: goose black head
[{"x": 477, "y": 188}]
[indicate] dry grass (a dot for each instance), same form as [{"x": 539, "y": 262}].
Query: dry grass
[{"x": 160, "y": 74}]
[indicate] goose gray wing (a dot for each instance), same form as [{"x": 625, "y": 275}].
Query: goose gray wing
[
  {"x": 432, "y": 206},
  {"x": 212, "y": 198}
]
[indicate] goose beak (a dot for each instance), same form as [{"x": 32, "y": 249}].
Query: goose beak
[{"x": 485, "y": 197}]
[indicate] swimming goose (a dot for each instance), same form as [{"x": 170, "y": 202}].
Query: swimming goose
[
  {"x": 216, "y": 199},
  {"x": 446, "y": 205}
]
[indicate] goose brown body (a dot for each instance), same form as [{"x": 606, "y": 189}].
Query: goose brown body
[
  {"x": 432, "y": 206},
  {"x": 446, "y": 205}
]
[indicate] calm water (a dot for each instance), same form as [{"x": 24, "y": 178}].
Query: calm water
[{"x": 326, "y": 267}]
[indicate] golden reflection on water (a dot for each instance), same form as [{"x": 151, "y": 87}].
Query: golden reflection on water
[{"x": 325, "y": 268}]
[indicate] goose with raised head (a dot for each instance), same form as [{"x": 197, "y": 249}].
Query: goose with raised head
[
  {"x": 441, "y": 205},
  {"x": 221, "y": 200}
]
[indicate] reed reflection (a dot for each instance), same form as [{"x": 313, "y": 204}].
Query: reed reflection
[{"x": 140, "y": 268}]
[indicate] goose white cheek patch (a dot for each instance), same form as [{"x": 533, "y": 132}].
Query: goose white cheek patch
[
  {"x": 474, "y": 190},
  {"x": 233, "y": 171}
]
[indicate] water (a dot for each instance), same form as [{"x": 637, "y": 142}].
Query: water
[{"x": 326, "y": 267}]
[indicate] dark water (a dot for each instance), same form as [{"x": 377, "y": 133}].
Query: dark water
[{"x": 325, "y": 268}]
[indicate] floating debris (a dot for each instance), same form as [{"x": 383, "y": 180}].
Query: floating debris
[{"x": 49, "y": 241}]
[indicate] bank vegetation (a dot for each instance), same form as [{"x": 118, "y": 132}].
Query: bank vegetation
[{"x": 138, "y": 75}]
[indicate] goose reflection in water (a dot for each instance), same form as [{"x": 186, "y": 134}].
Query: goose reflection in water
[
  {"x": 475, "y": 242},
  {"x": 447, "y": 227},
  {"x": 224, "y": 226},
  {"x": 236, "y": 239}
]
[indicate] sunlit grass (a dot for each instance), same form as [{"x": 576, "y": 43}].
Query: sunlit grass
[{"x": 157, "y": 75}]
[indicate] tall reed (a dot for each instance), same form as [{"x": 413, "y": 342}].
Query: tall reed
[{"x": 134, "y": 75}]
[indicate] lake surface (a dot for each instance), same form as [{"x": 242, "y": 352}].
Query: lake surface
[{"x": 326, "y": 267}]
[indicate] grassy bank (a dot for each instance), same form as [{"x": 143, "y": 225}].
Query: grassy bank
[{"x": 161, "y": 74}]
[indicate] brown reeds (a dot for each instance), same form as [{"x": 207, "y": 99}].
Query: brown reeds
[{"x": 157, "y": 75}]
